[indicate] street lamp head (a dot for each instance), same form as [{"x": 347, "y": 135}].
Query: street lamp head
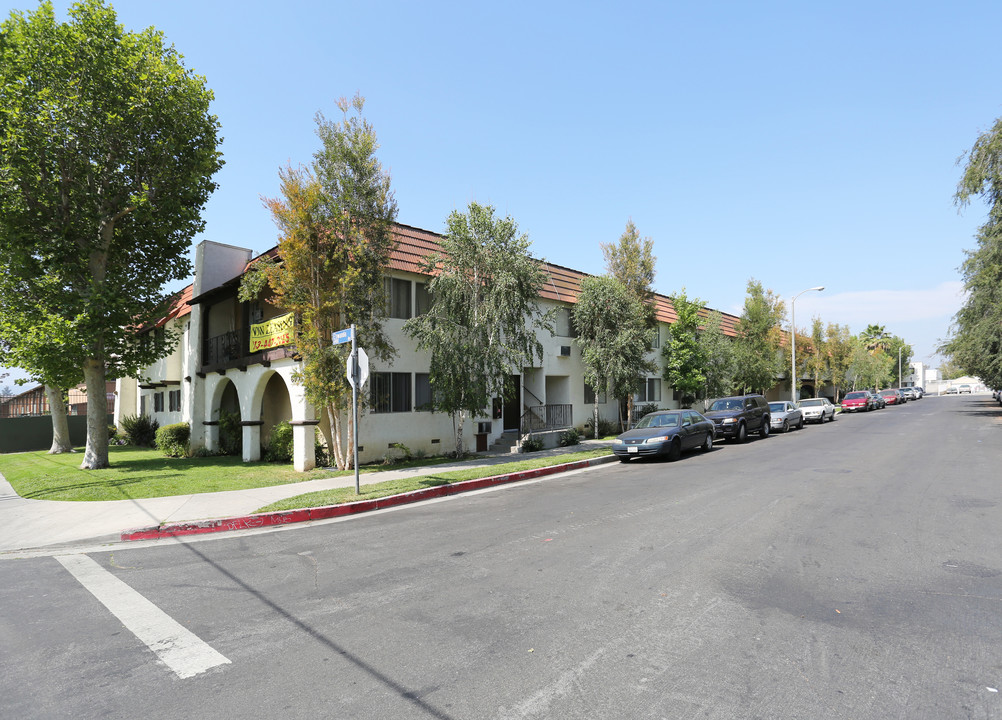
[{"x": 819, "y": 287}]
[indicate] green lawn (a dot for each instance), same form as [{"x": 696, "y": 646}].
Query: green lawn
[
  {"x": 146, "y": 473},
  {"x": 373, "y": 491}
]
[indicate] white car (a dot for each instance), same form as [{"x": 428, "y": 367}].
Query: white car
[{"x": 819, "y": 410}]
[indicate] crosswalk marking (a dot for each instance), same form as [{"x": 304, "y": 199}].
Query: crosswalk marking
[{"x": 177, "y": 647}]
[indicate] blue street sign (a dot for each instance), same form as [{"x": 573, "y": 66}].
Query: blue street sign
[{"x": 342, "y": 336}]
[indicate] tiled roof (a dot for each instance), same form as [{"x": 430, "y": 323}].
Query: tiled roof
[{"x": 563, "y": 284}]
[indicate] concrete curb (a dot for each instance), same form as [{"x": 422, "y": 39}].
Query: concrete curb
[{"x": 287, "y": 517}]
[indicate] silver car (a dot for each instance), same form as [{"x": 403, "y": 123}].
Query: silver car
[
  {"x": 785, "y": 415},
  {"x": 819, "y": 410}
]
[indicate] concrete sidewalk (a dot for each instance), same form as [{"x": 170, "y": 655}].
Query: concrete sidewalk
[{"x": 29, "y": 524}]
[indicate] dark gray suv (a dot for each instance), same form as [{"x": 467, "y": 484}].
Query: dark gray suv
[{"x": 735, "y": 417}]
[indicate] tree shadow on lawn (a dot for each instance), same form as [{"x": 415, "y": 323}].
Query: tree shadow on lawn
[{"x": 114, "y": 481}]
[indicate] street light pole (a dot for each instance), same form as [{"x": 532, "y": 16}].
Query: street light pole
[
  {"x": 899, "y": 367},
  {"x": 793, "y": 341}
]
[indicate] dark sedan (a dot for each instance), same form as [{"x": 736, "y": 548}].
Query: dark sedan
[{"x": 665, "y": 433}]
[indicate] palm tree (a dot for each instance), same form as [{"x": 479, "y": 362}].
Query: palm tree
[{"x": 875, "y": 338}]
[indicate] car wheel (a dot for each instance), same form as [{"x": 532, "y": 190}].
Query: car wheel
[
  {"x": 675, "y": 451},
  {"x": 800, "y": 425},
  {"x": 834, "y": 415},
  {"x": 708, "y": 442},
  {"x": 763, "y": 432},
  {"x": 742, "y": 435},
  {"x": 786, "y": 426}
]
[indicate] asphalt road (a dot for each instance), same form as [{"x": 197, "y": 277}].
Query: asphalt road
[{"x": 850, "y": 570}]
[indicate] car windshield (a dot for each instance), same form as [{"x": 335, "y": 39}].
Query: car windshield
[
  {"x": 777, "y": 407},
  {"x": 719, "y": 405},
  {"x": 811, "y": 402},
  {"x": 855, "y": 395},
  {"x": 888, "y": 393},
  {"x": 659, "y": 420}
]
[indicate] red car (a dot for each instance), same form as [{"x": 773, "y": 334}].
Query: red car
[
  {"x": 892, "y": 397},
  {"x": 857, "y": 401}
]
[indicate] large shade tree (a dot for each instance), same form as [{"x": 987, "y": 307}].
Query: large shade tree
[
  {"x": 484, "y": 316},
  {"x": 683, "y": 357},
  {"x": 613, "y": 336},
  {"x": 976, "y": 342},
  {"x": 335, "y": 226},
  {"x": 718, "y": 352},
  {"x": 632, "y": 262},
  {"x": 107, "y": 150},
  {"x": 759, "y": 340}
]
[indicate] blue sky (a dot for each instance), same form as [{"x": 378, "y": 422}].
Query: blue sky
[{"x": 798, "y": 143}]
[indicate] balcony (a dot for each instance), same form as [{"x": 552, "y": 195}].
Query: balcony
[{"x": 232, "y": 350}]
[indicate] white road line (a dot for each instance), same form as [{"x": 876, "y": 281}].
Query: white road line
[{"x": 178, "y": 648}]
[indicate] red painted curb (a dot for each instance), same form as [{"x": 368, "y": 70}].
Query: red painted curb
[{"x": 286, "y": 517}]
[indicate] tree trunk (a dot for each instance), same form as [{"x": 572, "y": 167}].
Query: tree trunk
[
  {"x": 96, "y": 452},
  {"x": 594, "y": 419},
  {"x": 334, "y": 441},
  {"x": 60, "y": 426},
  {"x": 460, "y": 448}
]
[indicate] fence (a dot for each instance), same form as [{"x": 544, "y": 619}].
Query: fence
[{"x": 34, "y": 403}]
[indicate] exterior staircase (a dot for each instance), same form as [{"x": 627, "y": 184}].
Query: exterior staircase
[{"x": 507, "y": 442}]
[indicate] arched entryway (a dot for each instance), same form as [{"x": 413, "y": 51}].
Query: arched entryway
[{"x": 276, "y": 406}]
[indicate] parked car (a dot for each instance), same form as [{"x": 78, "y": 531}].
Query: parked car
[
  {"x": 965, "y": 388},
  {"x": 819, "y": 410},
  {"x": 952, "y": 390},
  {"x": 920, "y": 390},
  {"x": 878, "y": 400},
  {"x": 909, "y": 393},
  {"x": 735, "y": 417},
  {"x": 858, "y": 401},
  {"x": 892, "y": 396},
  {"x": 785, "y": 415},
  {"x": 665, "y": 433}
]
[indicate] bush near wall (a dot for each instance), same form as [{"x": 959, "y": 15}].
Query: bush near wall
[
  {"x": 279, "y": 447},
  {"x": 140, "y": 430},
  {"x": 173, "y": 439}
]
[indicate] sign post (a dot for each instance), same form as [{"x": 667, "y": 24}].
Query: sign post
[{"x": 357, "y": 373}]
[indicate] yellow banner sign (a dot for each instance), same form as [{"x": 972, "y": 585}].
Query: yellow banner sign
[{"x": 272, "y": 333}]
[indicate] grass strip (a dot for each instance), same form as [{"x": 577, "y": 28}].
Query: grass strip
[
  {"x": 145, "y": 473},
  {"x": 339, "y": 496}
]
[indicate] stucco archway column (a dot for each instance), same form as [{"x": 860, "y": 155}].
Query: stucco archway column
[
  {"x": 304, "y": 439},
  {"x": 252, "y": 440}
]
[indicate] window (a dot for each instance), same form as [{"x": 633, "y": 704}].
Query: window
[
  {"x": 142, "y": 405},
  {"x": 656, "y": 337},
  {"x": 648, "y": 390},
  {"x": 391, "y": 392},
  {"x": 422, "y": 298},
  {"x": 422, "y": 391},
  {"x": 158, "y": 402},
  {"x": 398, "y": 298},
  {"x": 174, "y": 400},
  {"x": 563, "y": 325},
  {"x": 589, "y": 395}
]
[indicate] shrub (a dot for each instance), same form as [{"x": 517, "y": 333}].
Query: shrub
[
  {"x": 569, "y": 437},
  {"x": 605, "y": 428},
  {"x": 404, "y": 449},
  {"x": 203, "y": 452},
  {"x": 231, "y": 434},
  {"x": 280, "y": 444},
  {"x": 140, "y": 430},
  {"x": 532, "y": 444},
  {"x": 173, "y": 439},
  {"x": 112, "y": 432},
  {"x": 320, "y": 456}
]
